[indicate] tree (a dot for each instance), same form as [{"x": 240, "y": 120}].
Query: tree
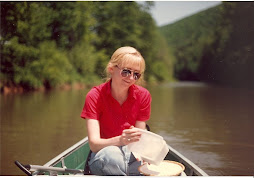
[{"x": 49, "y": 44}]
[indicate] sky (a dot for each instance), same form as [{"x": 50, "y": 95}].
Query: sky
[{"x": 166, "y": 12}]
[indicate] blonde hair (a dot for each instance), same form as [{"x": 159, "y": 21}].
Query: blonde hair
[{"x": 127, "y": 55}]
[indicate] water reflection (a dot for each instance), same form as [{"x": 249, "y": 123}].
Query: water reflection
[
  {"x": 35, "y": 127},
  {"x": 211, "y": 126}
]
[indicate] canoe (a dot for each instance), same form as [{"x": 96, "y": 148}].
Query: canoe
[{"x": 72, "y": 162}]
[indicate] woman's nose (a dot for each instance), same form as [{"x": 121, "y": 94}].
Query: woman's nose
[{"x": 131, "y": 76}]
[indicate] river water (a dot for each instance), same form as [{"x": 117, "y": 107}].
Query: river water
[{"x": 212, "y": 126}]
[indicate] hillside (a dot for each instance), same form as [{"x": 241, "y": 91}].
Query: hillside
[{"x": 215, "y": 45}]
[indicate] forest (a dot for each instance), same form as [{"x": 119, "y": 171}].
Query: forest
[
  {"x": 50, "y": 44},
  {"x": 215, "y": 46}
]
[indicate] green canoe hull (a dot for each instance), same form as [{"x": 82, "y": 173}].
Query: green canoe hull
[{"x": 75, "y": 158}]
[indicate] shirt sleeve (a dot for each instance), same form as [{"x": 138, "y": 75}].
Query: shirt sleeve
[
  {"x": 91, "y": 107},
  {"x": 145, "y": 106}
]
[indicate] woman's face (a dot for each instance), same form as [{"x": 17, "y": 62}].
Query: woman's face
[{"x": 120, "y": 79}]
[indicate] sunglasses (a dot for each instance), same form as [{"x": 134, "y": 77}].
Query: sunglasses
[{"x": 126, "y": 72}]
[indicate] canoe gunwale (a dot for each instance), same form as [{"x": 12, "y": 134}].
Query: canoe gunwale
[
  {"x": 64, "y": 154},
  {"x": 182, "y": 159},
  {"x": 67, "y": 152},
  {"x": 195, "y": 170}
]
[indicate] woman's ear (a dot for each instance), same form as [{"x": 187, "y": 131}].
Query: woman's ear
[{"x": 110, "y": 69}]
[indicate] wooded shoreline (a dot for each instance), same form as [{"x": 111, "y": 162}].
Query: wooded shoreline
[
  {"x": 5, "y": 90},
  {"x": 41, "y": 51}
]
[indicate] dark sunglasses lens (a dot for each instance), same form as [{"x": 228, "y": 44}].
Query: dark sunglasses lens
[
  {"x": 136, "y": 76},
  {"x": 125, "y": 72}
]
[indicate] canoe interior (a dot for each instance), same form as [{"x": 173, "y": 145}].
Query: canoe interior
[
  {"x": 191, "y": 169},
  {"x": 75, "y": 158}
]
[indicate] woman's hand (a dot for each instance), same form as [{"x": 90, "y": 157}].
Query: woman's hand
[{"x": 130, "y": 135}]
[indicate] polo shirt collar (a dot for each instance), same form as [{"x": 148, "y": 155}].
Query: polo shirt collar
[
  {"x": 132, "y": 90},
  {"x": 108, "y": 87}
]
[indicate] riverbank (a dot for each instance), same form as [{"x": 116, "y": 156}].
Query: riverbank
[
  {"x": 18, "y": 89},
  {"x": 13, "y": 89}
]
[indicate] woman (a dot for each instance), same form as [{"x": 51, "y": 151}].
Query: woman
[{"x": 112, "y": 110}]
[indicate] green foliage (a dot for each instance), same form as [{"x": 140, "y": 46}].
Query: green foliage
[
  {"x": 230, "y": 61},
  {"x": 54, "y": 43},
  {"x": 215, "y": 45},
  {"x": 187, "y": 39},
  {"x": 161, "y": 65},
  {"x": 53, "y": 65},
  {"x": 131, "y": 24},
  {"x": 84, "y": 59},
  {"x": 16, "y": 57}
]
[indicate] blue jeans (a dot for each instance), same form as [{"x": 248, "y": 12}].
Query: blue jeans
[{"x": 114, "y": 160}]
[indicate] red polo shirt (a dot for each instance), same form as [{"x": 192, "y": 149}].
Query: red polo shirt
[{"x": 112, "y": 116}]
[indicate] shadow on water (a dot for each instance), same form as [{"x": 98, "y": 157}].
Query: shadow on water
[{"x": 211, "y": 126}]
